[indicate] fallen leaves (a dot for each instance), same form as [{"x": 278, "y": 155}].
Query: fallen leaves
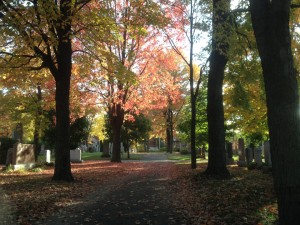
[{"x": 247, "y": 198}]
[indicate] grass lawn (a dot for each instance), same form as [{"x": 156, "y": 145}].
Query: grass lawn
[
  {"x": 86, "y": 156},
  {"x": 184, "y": 158}
]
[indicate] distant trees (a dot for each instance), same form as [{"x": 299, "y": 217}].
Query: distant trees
[{"x": 134, "y": 131}]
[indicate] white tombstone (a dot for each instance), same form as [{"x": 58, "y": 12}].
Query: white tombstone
[
  {"x": 75, "y": 155},
  {"x": 48, "y": 156}
]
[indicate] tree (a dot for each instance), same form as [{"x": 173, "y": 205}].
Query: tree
[
  {"x": 244, "y": 93},
  {"x": 39, "y": 34},
  {"x": 165, "y": 90},
  {"x": 215, "y": 112},
  {"x": 184, "y": 125},
  {"x": 79, "y": 132},
  {"x": 270, "y": 20},
  {"x": 180, "y": 25},
  {"x": 135, "y": 130},
  {"x": 118, "y": 63}
]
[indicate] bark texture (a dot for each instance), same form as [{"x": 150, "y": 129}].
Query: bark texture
[
  {"x": 270, "y": 20},
  {"x": 62, "y": 169},
  {"x": 116, "y": 119},
  {"x": 215, "y": 110}
]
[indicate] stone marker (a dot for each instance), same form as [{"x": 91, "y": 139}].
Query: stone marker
[
  {"x": 75, "y": 156},
  {"x": 257, "y": 156},
  {"x": 105, "y": 150},
  {"x": 21, "y": 156},
  {"x": 249, "y": 154},
  {"x": 241, "y": 146},
  {"x": 48, "y": 156},
  {"x": 229, "y": 154}
]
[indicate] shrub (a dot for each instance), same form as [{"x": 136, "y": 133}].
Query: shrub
[{"x": 184, "y": 151}]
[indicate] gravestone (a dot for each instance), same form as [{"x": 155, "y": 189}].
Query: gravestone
[
  {"x": 250, "y": 154},
  {"x": 258, "y": 156},
  {"x": 48, "y": 156},
  {"x": 42, "y": 152},
  {"x": 111, "y": 146},
  {"x": 105, "y": 149},
  {"x": 241, "y": 147},
  {"x": 229, "y": 154},
  {"x": 267, "y": 153},
  {"x": 21, "y": 156},
  {"x": 75, "y": 156}
]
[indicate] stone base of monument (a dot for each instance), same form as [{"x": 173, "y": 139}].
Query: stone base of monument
[{"x": 23, "y": 166}]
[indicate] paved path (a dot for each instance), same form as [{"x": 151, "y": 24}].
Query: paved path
[{"x": 138, "y": 198}]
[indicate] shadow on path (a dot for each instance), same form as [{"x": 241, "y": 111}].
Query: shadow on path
[
  {"x": 6, "y": 216},
  {"x": 142, "y": 197}
]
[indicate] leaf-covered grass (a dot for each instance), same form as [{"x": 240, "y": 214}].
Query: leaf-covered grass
[{"x": 246, "y": 199}]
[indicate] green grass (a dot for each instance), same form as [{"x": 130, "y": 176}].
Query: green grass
[
  {"x": 184, "y": 159},
  {"x": 91, "y": 156},
  {"x": 85, "y": 156},
  {"x": 133, "y": 156},
  {"x": 179, "y": 157}
]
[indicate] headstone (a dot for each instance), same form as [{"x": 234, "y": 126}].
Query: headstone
[
  {"x": 249, "y": 154},
  {"x": 267, "y": 153},
  {"x": 241, "y": 146},
  {"x": 48, "y": 156},
  {"x": 75, "y": 156},
  {"x": 111, "y": 145},
  {"x": 229, "y": 154},
  {"x": 21, "y": 156},
  {"x": 122, "y": 147},
  {"x": 257, "y": 156},
  {"x": 42, "y": 152},
  {"x": 106, "y": 149}
]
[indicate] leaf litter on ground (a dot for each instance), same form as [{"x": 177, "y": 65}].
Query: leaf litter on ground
[{"x": 247, "y": 198}]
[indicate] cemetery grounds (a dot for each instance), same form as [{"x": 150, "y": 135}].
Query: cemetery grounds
[{"x": 148, "y": 189}]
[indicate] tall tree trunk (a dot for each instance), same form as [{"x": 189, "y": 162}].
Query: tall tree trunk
[
  {"x": 192, "y": 93},
  {"x": 270, "y": 20},
  {"x": 215, "y": 110},
  {"x": 62, "y": 169},
  {"x": 169, "y": 129},
  {"x": 116, "y": 118},
  {"x": 37, "y": 123}
]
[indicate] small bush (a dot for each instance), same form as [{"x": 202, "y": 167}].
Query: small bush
[
  {"x": 176, "y": 149},
  {"x": 252, "y": 166},
  {"x": 184, "y": 152}
]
